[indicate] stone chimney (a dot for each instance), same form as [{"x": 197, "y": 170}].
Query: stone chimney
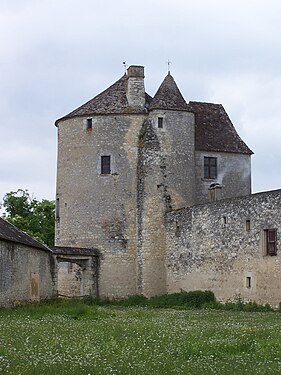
[{"x": 135, "y": 87}]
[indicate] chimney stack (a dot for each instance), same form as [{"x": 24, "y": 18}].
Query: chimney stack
[{"x": 135, "y": 87}]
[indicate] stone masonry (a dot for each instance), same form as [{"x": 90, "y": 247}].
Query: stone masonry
[{"x": 162, "y": 189}]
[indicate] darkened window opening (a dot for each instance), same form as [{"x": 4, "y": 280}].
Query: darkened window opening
[
  {"x": 89, "y": 123},
  {"x": 248, "y": 282},
  {"x": 160, "y": 122},
  {"x": 224, "y": 220},
  {"x": 210, "y": 167},
  {"x": 105, "y": 164},
  {"x": 58, "y": 209},
  {"x": 248, "y": 225},
  {"x": 271, "y": 239}
]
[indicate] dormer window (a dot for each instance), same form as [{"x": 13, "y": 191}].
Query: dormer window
[
  {"x": 160, "y": 122},
  {"x": 210, "y": 167}
]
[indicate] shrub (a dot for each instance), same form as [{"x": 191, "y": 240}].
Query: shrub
[{"x": 193, "y": 299}]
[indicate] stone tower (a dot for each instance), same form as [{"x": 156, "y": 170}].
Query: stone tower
[
  {"x": 125, "y": 159},
  {"x": 97, "y": 179},
  {"x": 166, "y": 179}
]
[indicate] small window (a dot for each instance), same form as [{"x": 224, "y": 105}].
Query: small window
[
  {"x": 89, "y": 123},
  {"x": 210, "y": 167},
  {"x": 270, "y": 241},
  {"x": 248, "y": 282},
  {"x": 248, "y": 225},
  {"x": 160, "y": 122},
  {"x": 224, "y": 221},
  {"x": 57, "y": 209},
  {"x": 105, "y": 164}
]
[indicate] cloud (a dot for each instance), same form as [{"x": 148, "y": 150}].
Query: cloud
[{"x": 57, "y": 54}]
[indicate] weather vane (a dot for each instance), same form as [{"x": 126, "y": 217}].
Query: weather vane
[
  {"x": 125, "y": 66},
  {"x": 169, "y": 65}
]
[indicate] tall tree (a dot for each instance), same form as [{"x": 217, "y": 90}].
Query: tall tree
[{"x": 36, "y": 218}]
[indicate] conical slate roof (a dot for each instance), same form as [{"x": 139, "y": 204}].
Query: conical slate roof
[
  {"x": 169, "y": 96},
  {"x": 113, "y": 100}
]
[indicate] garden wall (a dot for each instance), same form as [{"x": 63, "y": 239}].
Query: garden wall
[{"x": 224, "y": 247}]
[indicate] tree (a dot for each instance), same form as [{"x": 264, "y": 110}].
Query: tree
[{"x": 36, "y": 218}]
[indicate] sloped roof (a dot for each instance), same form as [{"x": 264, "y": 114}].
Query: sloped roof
[
  {"x": 168, "y": 96},
  {"x": 214, "y": 130},
  {"x": 66, "y": 250},
  {"x": 9, "y": 232},
  {"x": 113, "y": 100}
]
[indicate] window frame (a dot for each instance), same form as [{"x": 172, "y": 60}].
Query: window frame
[
  {"x": 105, "y": 165},
  {"x": 271, "y": 241},
  {"x": 160, "y": 122},
  {"x": 248, "y": 282},
  {"x": 89, "y": 123},
  {"x": 210, "y": 167}
]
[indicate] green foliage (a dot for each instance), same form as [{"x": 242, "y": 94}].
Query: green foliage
[
  {"x": 192, "y": 299},
  {"x": 78, "y": 337},
  {"x": 196, "y": 299},
  {"x": 36, "y": 218}
]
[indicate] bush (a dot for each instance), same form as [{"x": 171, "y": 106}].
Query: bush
[{"x": 193, "y": 299}]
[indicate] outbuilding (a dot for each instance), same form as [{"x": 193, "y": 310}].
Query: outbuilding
[{"x": 27, "y": 267}]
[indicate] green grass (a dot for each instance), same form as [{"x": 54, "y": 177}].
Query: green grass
[{"x": 78, "y": 337}]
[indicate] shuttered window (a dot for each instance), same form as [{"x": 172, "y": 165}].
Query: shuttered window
[
  {"x": 271, "y": 239},
  {"x": 105, "y": 164},
  {"x": 210, "y": 167}
]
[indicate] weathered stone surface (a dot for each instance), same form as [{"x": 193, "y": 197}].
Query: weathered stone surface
[
  {"x": 209, "y": 247},
  {"x": 149, "y": 217},
  {"x": 26, "y": 273}
]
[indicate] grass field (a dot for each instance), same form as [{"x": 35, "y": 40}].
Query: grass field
[{"x": 76, "y": 338}]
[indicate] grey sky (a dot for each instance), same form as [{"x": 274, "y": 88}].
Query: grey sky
[{"x": 57, "y": 54}]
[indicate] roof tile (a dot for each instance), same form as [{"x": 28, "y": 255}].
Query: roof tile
[
  {"x": 214, "y": 130},
  {"x": 10, "y": 232},
  {"x": 169, "y": 96}
]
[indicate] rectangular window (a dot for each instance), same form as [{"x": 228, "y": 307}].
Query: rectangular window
[
  {"x": 248, "y": 225},
  {"x": 248, "y": 282},
  {"x": 210, "y": 167},
  {"x": 160, "y": 122},
  {"x": 89, "y": 123},
  {"x": 105, "y": 164},
  {"x": 270, "y": 241},
  {"x": 58, "y": 209}
]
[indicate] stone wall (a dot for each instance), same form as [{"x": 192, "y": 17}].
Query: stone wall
[
  {"x": 98, "y": 210},
  {"x": 221, "y": 247},
  {"x": 26, "y": 274},
  {"x": 77, "y": 276},
  {"x": 165, "y": 182},
  {"x": 233, "y": 173}
]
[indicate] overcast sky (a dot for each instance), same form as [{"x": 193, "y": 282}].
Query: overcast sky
[{"x": 57, "y": 54}]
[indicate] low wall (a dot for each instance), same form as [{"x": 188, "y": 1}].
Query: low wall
[{"x": 25, "y": 273}]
